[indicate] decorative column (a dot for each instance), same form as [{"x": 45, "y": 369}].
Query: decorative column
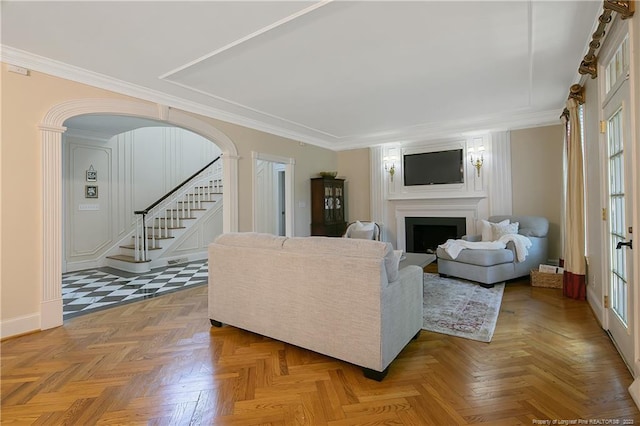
[
  {"x": 230, "y": 192},
  {"x": 378, "y": 199},
  {"x": 51, "y": 295},
  {"x": 500, "y": 190}
]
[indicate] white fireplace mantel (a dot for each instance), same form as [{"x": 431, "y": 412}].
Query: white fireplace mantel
[
  {"x": 463, "y": 207},
  {"x": 440, "y": 197}
]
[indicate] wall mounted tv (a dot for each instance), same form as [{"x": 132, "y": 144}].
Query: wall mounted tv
[{"x": 433, "y": 168}]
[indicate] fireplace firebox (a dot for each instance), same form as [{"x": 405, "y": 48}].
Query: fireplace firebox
[{"x": 424, "y": 234}]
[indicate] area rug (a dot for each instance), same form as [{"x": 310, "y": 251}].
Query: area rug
[{"x": 460, "y": 308}]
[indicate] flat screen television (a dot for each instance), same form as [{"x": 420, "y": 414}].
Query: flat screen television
[{"x": 433, "y": 168}]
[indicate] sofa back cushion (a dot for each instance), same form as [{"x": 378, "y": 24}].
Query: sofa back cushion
[
  {"x": 336, "y": 246},
  {"x": 530, "y": 226},
  {"x": 251, "y": 239},
  {"x": 344, "y": 247}
]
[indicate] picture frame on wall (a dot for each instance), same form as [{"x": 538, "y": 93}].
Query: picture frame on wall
[
  {"x": 91, "y": 191},
  {"x": 92, "y": 175}
]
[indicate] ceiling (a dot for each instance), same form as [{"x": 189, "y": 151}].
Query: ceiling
[{"x": 339, "y": 74}]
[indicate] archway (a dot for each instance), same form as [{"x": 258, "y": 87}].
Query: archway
[{"x": 51, "y": 140}]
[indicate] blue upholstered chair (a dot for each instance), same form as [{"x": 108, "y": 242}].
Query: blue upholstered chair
[
  {"x": 489, "y": 267},
  {"x": 363, "y": 229}
]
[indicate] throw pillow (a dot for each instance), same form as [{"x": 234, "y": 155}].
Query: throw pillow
[
  {"x": 391, "y": 262},
  {"x": 499, "y": 230},
  {"x": 362, "y": 234},
  {"x": 364, "y": 227},
  {"x": 486, "y": 229}
]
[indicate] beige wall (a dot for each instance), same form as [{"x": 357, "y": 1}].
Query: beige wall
[
  {"x": 309, "y": 161},
  {"x": 25, "y": 101},
  {"x": 536, "y": 164},
  {"x": 354, "y": 166}
]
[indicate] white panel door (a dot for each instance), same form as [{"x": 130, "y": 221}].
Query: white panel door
[{"x": 619, "y": 225}]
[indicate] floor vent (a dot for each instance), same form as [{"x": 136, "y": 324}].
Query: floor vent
[{"x": 176, "y": 261}]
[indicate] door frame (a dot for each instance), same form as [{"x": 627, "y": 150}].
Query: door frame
[
  {"x": 619, "y": 30},
  {"x": 289, "y": 175}
]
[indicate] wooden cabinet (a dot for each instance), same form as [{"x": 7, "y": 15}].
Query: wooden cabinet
[{"x": 327, "y": 207}]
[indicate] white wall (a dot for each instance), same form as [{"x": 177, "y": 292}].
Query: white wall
[{"x": 134, "y": 169}]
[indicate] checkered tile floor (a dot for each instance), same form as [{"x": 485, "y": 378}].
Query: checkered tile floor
[{"x": 96, "y": 289}]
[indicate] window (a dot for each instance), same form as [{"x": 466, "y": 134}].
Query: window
[{"x": 618, "y": 67}]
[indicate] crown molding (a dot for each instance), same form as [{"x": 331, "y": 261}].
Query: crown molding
[
  {"x": 59, "y": 69},
  {"x": 457, "y": 128},
  {"x": 454, "y": 128}
]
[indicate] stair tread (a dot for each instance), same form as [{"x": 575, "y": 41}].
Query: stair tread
[
  {"x": 158, "y": 238},
  {"x": 132, "y": 247},
  {"x": 181, "y": 218},
  {"x": 125, "y": 258},
  {"x": 175, "y": 218},
  {"x": 168, "y": 227}
]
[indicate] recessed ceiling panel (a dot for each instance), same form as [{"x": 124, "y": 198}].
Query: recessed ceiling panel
[{"x": 354, "y": 67}]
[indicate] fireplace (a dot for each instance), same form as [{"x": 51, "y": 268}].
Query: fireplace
[{"x": 424, "y": 234}]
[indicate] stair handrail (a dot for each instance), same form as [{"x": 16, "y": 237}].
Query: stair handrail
[
  {"x": 168, "y": 194},
  {"x": 140, "y": 234}
]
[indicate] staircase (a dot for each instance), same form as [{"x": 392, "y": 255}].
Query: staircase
[{"x": 162, "y": 223}]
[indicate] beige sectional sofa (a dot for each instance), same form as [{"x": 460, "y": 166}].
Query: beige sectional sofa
[{"x": 340, "y": 297}]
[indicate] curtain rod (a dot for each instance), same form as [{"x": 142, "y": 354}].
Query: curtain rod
[{"x": 589, "y": 64}]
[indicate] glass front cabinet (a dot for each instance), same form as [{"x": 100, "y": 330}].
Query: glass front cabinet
[{"x": 327, "y": 207}]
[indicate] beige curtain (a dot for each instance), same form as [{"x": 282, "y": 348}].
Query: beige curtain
[{"x": 574, "y": 285}]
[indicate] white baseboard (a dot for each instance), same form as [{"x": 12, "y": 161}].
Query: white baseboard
[
  {"x": 596, "y": 305},
  {"x": 19, "y": 325},
  {"x": 634, "y": 390},
  {"x": 83, "y": 264},
  {"x": 51, "y": 314}
]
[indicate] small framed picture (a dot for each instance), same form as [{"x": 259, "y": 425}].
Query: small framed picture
[
  {"x": 92, "y": 175},
  {"x": 91, "y": 191}
]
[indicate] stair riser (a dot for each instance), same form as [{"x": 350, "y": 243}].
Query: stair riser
[{"x": 136, "y": 268}]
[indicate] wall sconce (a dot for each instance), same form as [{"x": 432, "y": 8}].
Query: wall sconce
[
  {"x": 391, "y": 169},
  {"x": 478, "y": 162}
]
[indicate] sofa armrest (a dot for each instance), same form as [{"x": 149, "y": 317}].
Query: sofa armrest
[
  {"x": 401, "y": 312},
  {"x": 472, "y": 238}
]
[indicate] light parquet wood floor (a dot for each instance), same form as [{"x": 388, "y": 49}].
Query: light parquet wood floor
[{"x": 159, "y": 362}]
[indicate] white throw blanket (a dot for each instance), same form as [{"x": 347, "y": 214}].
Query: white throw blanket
[{"x": 521, "y": 243}]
